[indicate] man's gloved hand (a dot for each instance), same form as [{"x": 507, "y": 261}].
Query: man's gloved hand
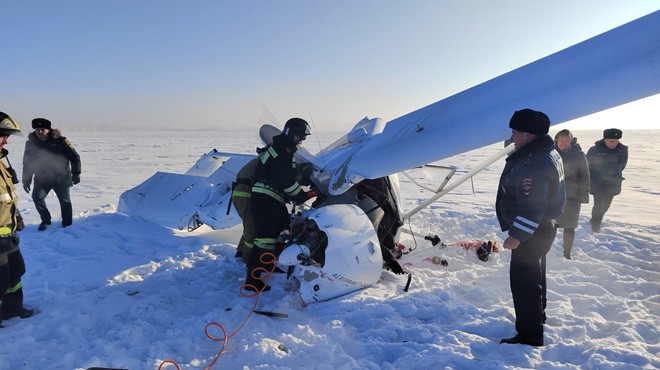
[
  {"x": 20, "y": 225},
  {"x": 313, "y": 193},
  {"x": 75, "y": 179},
  {"x": 26, "y": 187}
]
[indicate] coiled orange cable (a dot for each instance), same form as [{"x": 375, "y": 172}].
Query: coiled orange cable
[{"x": 266, "y": 259}]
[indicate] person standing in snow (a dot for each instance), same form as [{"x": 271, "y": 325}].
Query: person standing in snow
[
  {"x": 55, "y": 165},
  {"x": 530, "y": 197},
  {"x": 275, "y": 184},
  {"x": 576, "y": 173},
  {"x": 607, "y": 160},
  {"x": 12, "y": 265},
  {"x": 241, "y": 196}
]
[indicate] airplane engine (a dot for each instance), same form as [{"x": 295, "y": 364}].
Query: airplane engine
[{"x": 334, "y": 251}]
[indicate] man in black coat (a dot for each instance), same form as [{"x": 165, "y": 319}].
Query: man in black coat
[
  {"x": 55, "y": 165},
  {"x": 607, "y": 160},
  {"x": 576, "y": 174},
  {"x": 530, "y": 197}
]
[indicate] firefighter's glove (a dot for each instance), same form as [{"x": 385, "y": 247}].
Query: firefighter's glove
[
  {"x": 75, "y": 179},
  {"x": 26, "y": 187},
  {"x": 313, "y": 193}
]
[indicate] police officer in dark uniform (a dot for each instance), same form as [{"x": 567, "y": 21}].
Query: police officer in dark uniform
[
  {"x": 530, "y": 197},
  {"x": 275, "y": 184},
  {"x": 607, "y": 160},
  {"x": 51, "y": 159}
]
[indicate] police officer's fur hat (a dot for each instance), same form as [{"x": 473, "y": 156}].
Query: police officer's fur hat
[
  {"x": 41, "y": 123},
  {"x": 528, "y": 120},
  {"x": 612, "y": 133}
]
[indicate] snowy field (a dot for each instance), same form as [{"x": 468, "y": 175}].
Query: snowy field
[{"x": 118, "y": 292}]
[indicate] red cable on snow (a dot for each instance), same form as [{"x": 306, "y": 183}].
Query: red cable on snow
[{"x": 269, "y": 260}]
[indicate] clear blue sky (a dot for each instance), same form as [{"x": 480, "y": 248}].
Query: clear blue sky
[{"x": 211, "y": 63}]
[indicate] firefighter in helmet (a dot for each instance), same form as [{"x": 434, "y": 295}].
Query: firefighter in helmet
[
  {"x": 275, "y": 184},
  {"x": 12, "y": 265}
]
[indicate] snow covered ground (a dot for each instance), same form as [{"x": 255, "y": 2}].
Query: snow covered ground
[{"x": 118, "y": 292}]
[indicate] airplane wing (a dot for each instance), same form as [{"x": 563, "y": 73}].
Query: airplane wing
[
  {"x": 211, "y": 161},
  {"x": 614, "y": 68},
  {"x": 178, "y": 201}
]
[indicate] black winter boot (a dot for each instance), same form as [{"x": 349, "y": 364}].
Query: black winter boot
[
  {"x": 22, "y": 312},
  {"x": 43, "y": 226},
  {"x": 519, "y": 339},
  {"x": 255, "y": 270}
]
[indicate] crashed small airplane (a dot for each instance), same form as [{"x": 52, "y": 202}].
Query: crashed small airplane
[{"x": 337, "y": 246}]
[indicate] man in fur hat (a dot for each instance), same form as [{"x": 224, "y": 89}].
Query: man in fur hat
[
  {"x": 55, "y": 165},
  {"x": 607, "y": 160},
  {"x": 530, "y": 196}
]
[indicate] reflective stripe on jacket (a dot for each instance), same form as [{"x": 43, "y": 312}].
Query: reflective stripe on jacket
[
  {"x": 276, "y": 174},
  {"x": 8, "y": 200}
]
